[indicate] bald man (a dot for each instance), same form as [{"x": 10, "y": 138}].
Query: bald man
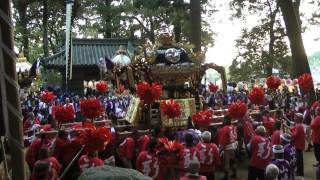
[{"x": 260, "y": 147}]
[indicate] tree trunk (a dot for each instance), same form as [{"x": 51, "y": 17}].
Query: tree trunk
[
  {"x": 300, "y": 61},
  {"x": 22, "y": 22},
  {"x": 151, "y": 32},
  {"x": 271, "y": 42},
  {"x": 107, "y": 16},
  {"x": 195, "y": 21},
  {"x": 45, "y": 28},
  {"x": 177, "y": 31}
]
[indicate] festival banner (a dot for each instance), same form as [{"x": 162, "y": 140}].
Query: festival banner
[{"x": 133, "y": 110}]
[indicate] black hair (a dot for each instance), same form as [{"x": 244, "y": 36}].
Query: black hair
[
  {"x": 278, "y": 155},
  {"x": 62, "y": 133},
  {"x": 227, "y": 120},
  {"x": 277, "y": 125},
  {"x": 152, "y": 144},
  {"x": 157, "y": 131},
  {"x": 41, "y": 169},
  {"x": 92, "y": 154},
  {"x": 190, "y": 125},
  {"x": 265, "y": 112},
  {"x": 188, "y": 139},
  {"x": 43, "y": 153}
]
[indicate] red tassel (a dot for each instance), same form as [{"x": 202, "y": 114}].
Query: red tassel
[
  {"x": 149, "y": 93},
  {"x": 213, "y": 88},
  {"x": 273, "y": 82},
  {"x": 203, "y": 118},
  {"x": 91, "y": 108},
  {"x": 47, "y": 96},
  {"x": 63, "y": 114},
  {"x": 256, "y": 96},
  {"x": 305, "y": 82},
  {"x": 102, "y": 86},
  {"x": 170, "y": 108},
  {"x": 237, "y": 110}
]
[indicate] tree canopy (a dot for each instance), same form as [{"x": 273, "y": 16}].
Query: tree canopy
[{"x": 39, "y": 24}]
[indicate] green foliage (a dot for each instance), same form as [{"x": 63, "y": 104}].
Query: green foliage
[
  {"x": 314, "y": 59},
  {"x": 315, "y": 19},
  {"x": 253, "y": 56},
  {"x": 50, "y": 78},
  {"x": 112, "y": 173},
  {"x": 34, "y": 15},
  {"x": 102, "y": 18},
  {"x": 263, "y": 47}
]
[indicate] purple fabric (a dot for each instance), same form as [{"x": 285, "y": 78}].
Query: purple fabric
[
  {"x": 290, "y": 156},
  {"x": 109, "y": 63},
  {"x": 285, "y": 172},
  {"x": 212, "y": 101},
  {"x": 180, "y": 135},
  {"x": 318, "y": 173}
]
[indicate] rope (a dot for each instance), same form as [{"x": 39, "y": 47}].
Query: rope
[
  {"x": 9, "y": 107},
  {"x": 8, "y": 51},
  {"x": 5, "y": 17},
  {"x": 5, "y": 81}
]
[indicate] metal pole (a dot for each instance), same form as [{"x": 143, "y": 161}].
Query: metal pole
[
  {"x": 9, "y": 92},
  {"x": 70, "y": 164}
]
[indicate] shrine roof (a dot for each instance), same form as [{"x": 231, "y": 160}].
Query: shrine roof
[{"x": 87, "y": 52}]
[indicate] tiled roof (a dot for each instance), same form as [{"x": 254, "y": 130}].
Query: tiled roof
[{"x": 87, "y": 52}]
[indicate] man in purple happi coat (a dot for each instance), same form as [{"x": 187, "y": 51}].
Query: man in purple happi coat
[
  {"x": 289, "y": 151},
  {"x": 285, "y": 172}
]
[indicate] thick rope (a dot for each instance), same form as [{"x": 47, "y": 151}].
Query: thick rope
[
  {"x": 5, "y": 17},
  {"x": 5, "y": 81}
]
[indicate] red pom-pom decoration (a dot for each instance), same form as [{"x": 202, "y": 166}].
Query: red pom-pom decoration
[
  {"x": 203, "y": 118},
  {"x": 170, "y": 146},
  {"x": 315, "y": 105},
  {"x": 170, "y": 108},
  {"x": 256, "y": 96},
  {"x": 95, "y": 139},
  {"x": 63, "y": 113},
  {"x": 273, "y": 82},
  {"x": 305, "y": 82},
  {"x": 91, "y": 108},
  {"x": 102, "y": 86},
  {"x": 149, "y": 93},
  {"x": 237, "y": 110},
  {"x": 168, "y": 151},
  {"x": 47, "y": 96},
  {"x": 213, "y": 88}
]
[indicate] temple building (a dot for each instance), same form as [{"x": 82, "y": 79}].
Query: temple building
[{"x": 87, "y": 56}]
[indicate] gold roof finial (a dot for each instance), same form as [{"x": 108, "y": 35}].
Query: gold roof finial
[
  {"x": 21, "y": 58},
  {"x": 122, "y": 50},
  {"x": 165, "y": 36}
]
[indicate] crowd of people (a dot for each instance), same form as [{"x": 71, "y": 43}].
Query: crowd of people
[{"x": 274, "y": 141}]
